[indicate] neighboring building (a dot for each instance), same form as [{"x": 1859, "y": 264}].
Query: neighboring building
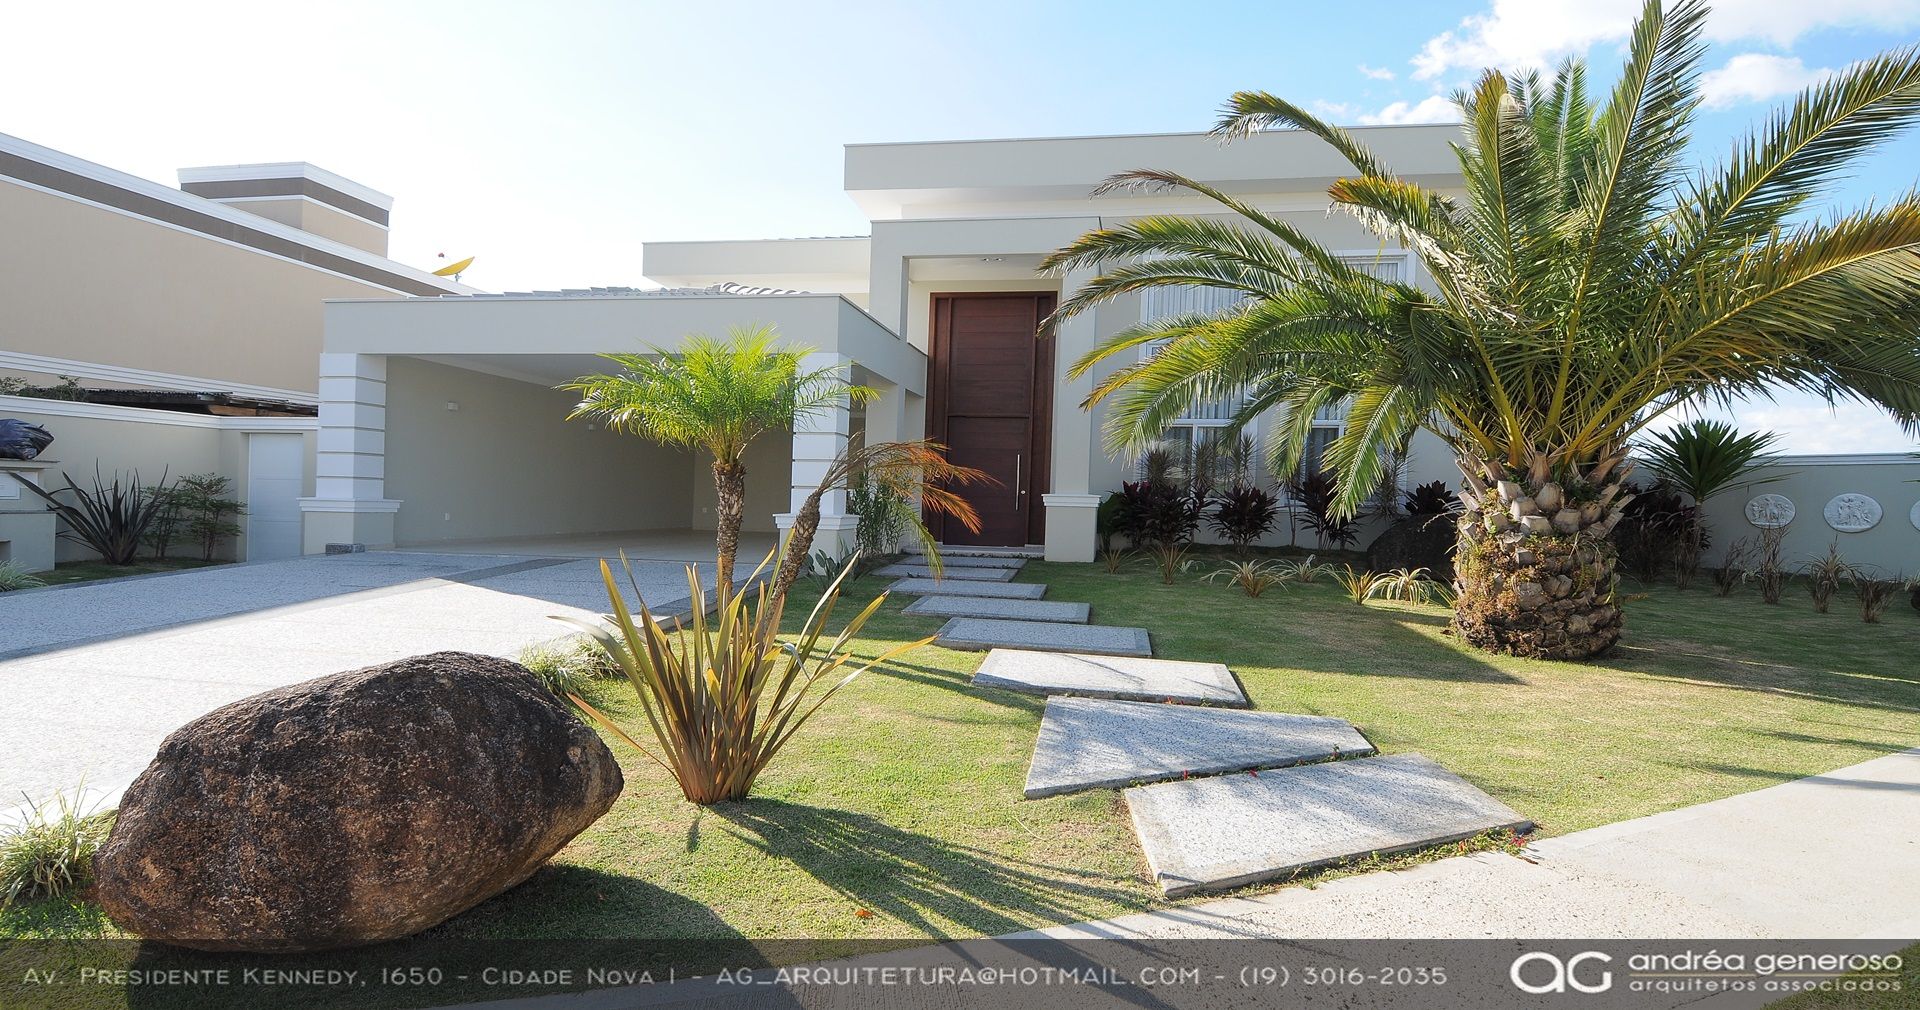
[
  {"x": 197, "y": 310},
  {"x": 439, "y": 422}
]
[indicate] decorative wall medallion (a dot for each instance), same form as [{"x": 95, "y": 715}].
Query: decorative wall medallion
[
  {"x": 1770, "y": 511},
  {"x": 1853, "y": 513},
  {"x": 1914, "y": 516}
]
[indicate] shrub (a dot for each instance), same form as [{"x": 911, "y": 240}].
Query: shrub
[
  {"x": 1826, "y": 573},
  {"x": 50, "y": 852},
  {"x": 1243, "y": 514},
  {"x": 1411, "y": 585},
  {"x": 1357, "y": 585},
  {"x": 1733, "y": 568},
  {"x": 1430, "y": 499},
  {"x": 1251, "y": 577},
  {"x": 568, "y": 665},
  {"x": 1315, "y": 494},
  {"x": 110, "y": 520},
  {"x": 1654, "y": 531},
  {"x": 1874, "y": 595},
  {"x": 1171, "y": 557},
  {"x": 1115, "y": 560},
  {"x": 14, "y": 577},
  {"x": 723, "y": 693},
  {"x": 1305, "y": 572},
  {"x": 885, "y": 517},
  {"x": 1769, "y": 571},
  {"x": 207, "y": 512},
  {"x": 1153, "y": 514}
]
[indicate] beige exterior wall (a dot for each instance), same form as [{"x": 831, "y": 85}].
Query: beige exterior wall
[
  {"x": 508, "y": 463},
  {"x": 99, "y": 286},
  {"x": 1891, "y": 548},
  {"x": 156, "y": 443}
]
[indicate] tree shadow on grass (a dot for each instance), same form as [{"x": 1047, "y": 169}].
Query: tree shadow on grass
[
  {"x": 1660, "y": 660},
  {"x": 932, "y": 885},
  {"x": 960, "y": 683}
]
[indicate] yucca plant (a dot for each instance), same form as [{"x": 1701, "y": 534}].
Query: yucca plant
[
  {"x": 14, "y": 577},
  {"x": 1305, "y": 571},
  {"x": 1702, "y": 458},
  {"x": 111, "y": 519},
  {"x": 1589, "y": 280},
  {"x": 1826, "y": 573},
  {"x": 1171, "y": 557},
  {"x": 49, "y": 852},
  {"x": 1357, "y": 585},
  {"x": 1250, "y": 577},
  {"x": 1114, "y": 559},
  {"x": 1733, "y": 567},
  {"x": 724, "y": 693},
  {"x": 1410, "y": 585},
  {"x": 1874, "y": 594},
  {"x": 1769, "y": 570}
]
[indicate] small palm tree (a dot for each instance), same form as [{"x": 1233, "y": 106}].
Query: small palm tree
[
  {"x": 717, "y": 396},
  {"x": 1704, "y": 457},
  {"x": 1587, "y": 282}
]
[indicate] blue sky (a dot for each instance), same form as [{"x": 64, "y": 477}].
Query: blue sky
[{"x": 552, "y": 139}]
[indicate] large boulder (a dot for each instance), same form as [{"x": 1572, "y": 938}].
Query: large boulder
[{"x": 350, "y": 809}]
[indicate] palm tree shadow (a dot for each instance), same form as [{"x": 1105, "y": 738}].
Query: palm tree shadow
[{"x": 933, "y": 885}]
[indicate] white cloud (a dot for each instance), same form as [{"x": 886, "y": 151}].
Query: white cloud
[
  {"x": 1432, "y": 109},
  {"x": 1377, "y": 73},
  {"x": 1526, "y": 34},
  {"x": 1808, "y": 425},
  {"x": 1754, "y": 77},
  {"x": 1337, "y": 111}
]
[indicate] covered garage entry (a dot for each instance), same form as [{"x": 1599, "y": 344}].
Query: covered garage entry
[{"x": 441, "y": 427}]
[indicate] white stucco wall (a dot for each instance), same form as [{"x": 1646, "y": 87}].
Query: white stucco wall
[{"x": 1891, "y": 548}]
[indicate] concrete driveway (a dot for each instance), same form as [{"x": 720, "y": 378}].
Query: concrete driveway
[{"x": 96, "y": 675}]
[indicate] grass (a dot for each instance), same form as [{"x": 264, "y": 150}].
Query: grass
[
  {"x": 95, "y": 571},
  {"x": 897, "y": 815}
]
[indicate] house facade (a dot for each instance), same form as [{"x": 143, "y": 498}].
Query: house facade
[
  {"x": 205, "y": 299},
  {"x": 439, "y": 421}
]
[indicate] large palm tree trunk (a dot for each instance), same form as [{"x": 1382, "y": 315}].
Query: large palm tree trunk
[
  {"x": 730, "y": 497},
  {"x": 1534, "y": 567}
]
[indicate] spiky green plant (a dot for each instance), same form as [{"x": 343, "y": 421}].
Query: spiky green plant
[
  {"x": 111, "y": 519},
  {"x": 1703, "y": 458},
  {"x": 1588, "y": 281},
  {"x": 1410, "y": 585},
  {"x": 1826, "y": 573},
  {"x": 567, "y": 666},
  {"x": 1305, "y": 571},
  {"x": 49, "y": 851},
  {"x": 717, "y": 396},
  {"x": 724, "y": 693},
  {"x": 1358, "y": 585},
  {"x": 14, "y": 577},
  {"x": 1250, "y": 577}
]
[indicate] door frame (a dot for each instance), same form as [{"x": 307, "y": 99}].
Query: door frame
[{"x": 1038, "y": 479}]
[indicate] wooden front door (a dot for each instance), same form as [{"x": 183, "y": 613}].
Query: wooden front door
[{"x": 990, "y": 401}]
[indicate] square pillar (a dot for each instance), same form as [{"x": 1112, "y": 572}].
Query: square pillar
[
  {"x": 1073, "y": 502},
  {"x": 349, "y": 509},
  {"x": 819, "y": 436}
]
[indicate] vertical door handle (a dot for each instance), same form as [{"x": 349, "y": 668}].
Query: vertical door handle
[{"x": 1017, "y": 492}]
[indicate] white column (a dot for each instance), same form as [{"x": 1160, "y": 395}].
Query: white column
[
  {"x": 1072, "y": 503},
  {"x": 819, "y": 436},
  {"x": 349, "y": 509}
]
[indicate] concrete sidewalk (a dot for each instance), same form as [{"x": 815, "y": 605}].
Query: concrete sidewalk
[
  {"x": 1829, "y": 856},
  {"x": 95, "y": 676}
]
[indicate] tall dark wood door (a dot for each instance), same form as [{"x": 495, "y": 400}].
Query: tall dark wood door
[{"x": 990, "y": 400}]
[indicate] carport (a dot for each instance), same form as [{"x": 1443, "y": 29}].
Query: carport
[{"x": 440, "y": 426}]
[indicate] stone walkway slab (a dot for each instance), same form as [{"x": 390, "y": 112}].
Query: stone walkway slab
[
  {"x": 1006, "y": 610},
  {"x": 954, "y": 572},
  {"x": 1206, "y": 834},
  {"x": 1109, "y": 677},
  {"x": 948, "y": 587},
  {"x": 1094, "y": 743},
  {"x": 968, "y": 561},
  {"x": 1097, "y": 639}
]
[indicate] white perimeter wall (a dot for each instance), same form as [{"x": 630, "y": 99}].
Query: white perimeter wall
[{"x": 1892, "y": 547}]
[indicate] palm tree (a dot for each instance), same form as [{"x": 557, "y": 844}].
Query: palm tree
[
  {"x": 716, "y": 395},
  {"x": 1702, "y": 458},
  {"x": 1587, "y": 282}
]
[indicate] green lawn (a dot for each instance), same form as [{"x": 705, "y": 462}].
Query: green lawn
[
  {"x": 94, "y": 571},
  {"x": 902, "y": 799}
]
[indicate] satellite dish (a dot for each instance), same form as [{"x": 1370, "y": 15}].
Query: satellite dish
[{"x": 454, "y": 270}]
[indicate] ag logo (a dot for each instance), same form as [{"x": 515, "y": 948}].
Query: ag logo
[{"x": 1564, "y": 974}]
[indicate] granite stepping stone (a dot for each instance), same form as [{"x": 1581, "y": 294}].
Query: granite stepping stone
[
  {"x": 968, "y": 561},
  {"x": 951, "y": 572},
  {"x": 1006, "y": 610},
  {"x": 1096, "y": 639},
  {"x": 1094, "y": 743},
  {"x": 949, "y": 587},
  {"x": 1109, "y": 677},
  {"x": 1212, "y": 833}
]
